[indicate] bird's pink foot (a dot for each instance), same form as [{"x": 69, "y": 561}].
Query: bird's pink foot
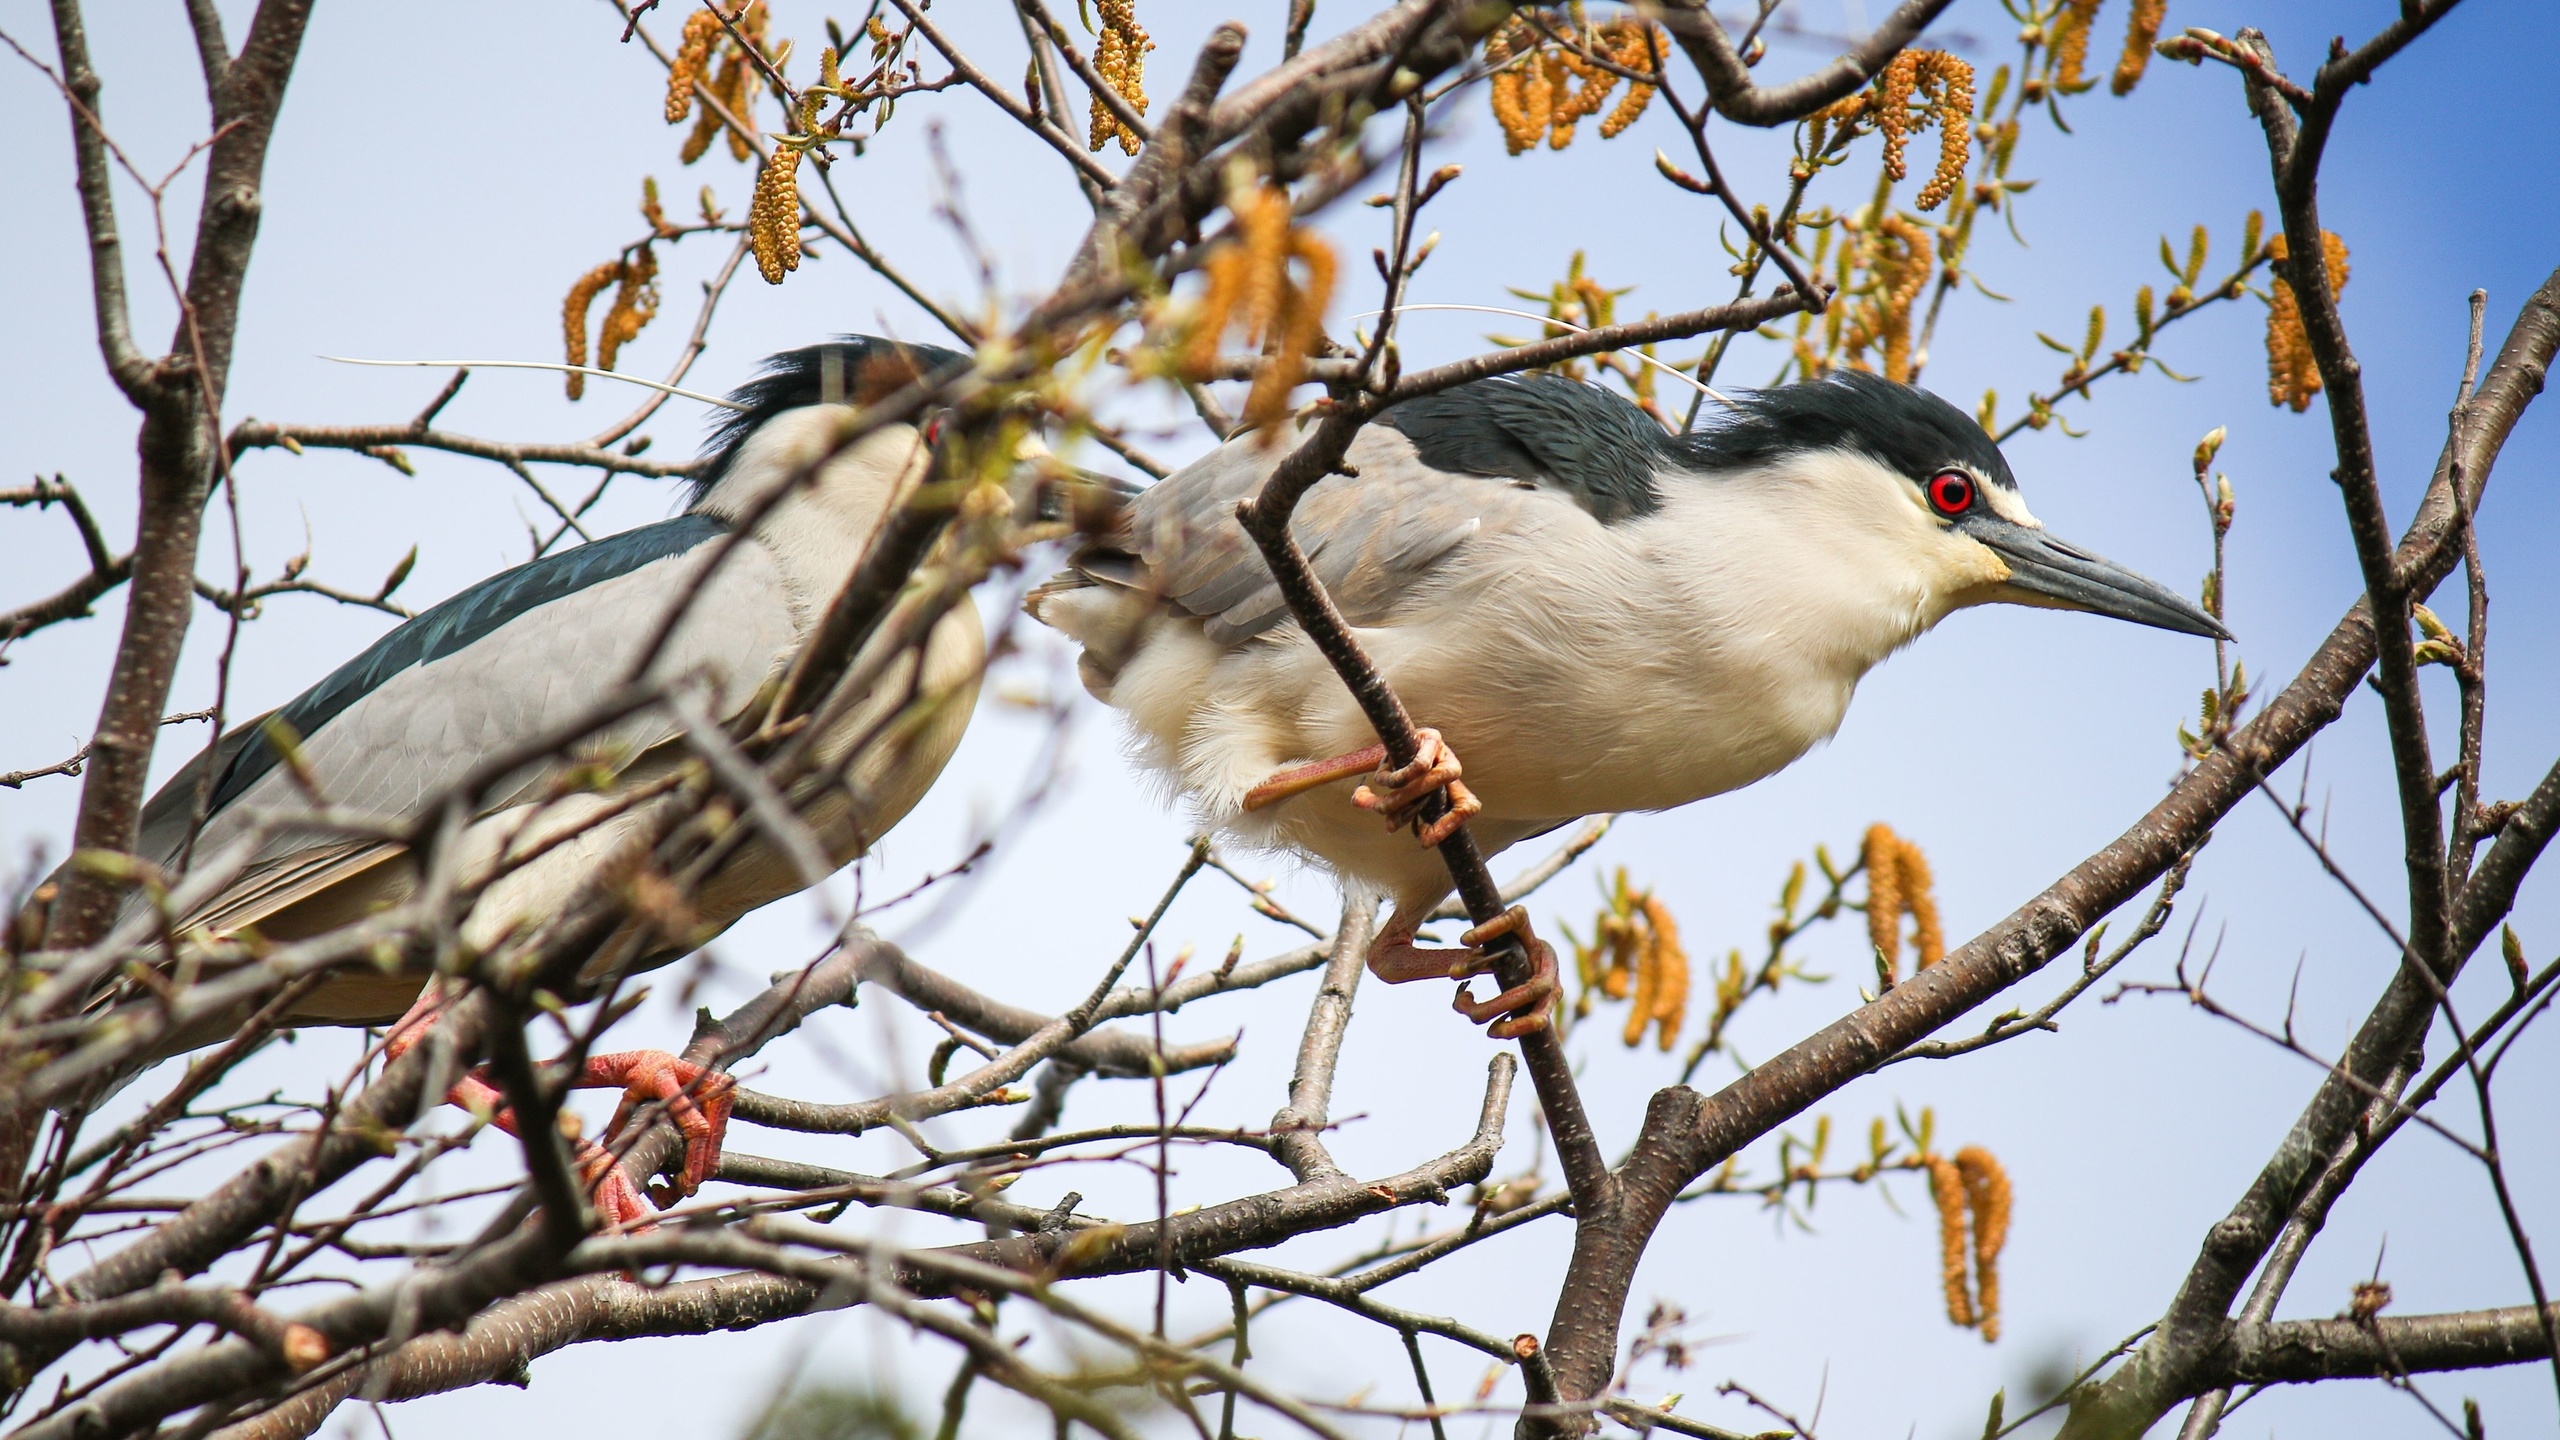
[
  {"x": 1299, "y": 779},
  {"x": 1398, "y": 794},
  {"x": 1395, "y": 959},
  {"x": 697, "y": 1101}
]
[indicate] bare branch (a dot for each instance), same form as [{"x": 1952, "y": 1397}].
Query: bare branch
[{"x": 1728, "y": 80}]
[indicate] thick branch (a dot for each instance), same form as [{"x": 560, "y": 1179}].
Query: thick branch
[
  {"x": 1728, "y": 80},
  {"x": 2295, "y": 1351},
  {"x": 180, "y": 408},
  {"x": 498, "y": 1345},
  {"x": 1685, "y": 1134}
]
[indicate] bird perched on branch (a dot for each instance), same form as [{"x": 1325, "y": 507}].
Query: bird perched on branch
[
  {"x": 512, "y": 665},
  {"x": 1597, "y": 615}
]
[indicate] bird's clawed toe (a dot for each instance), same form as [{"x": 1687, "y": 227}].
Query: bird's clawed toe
[
  {"x": 1398, "y": 793},
  {"x": 1524, "y": 1007},
  {"x": 616, "y": 1196},
  {"x": 697, "y": 1100},
  {"x": 1395, "y": 959}
]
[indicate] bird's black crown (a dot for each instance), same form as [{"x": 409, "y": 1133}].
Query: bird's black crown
[
  {"x": 1901, "y": 426},
  {"x": 855, "y": 369}
]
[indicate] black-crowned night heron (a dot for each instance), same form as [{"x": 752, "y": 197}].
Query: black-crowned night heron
[
  {"x": 1598, "y": 615},
  {"x": 526, "y": 652}
]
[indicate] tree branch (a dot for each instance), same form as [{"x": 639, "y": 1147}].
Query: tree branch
[
  {"x": 1685, "y": 1134},
  {"x": 2296, "y": 1351},
  {"x": 1728, "y": 80}
]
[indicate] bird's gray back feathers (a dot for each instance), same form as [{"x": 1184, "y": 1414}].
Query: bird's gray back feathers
[
  {"x": 1502, "y": 456},
  {"x": 491, "y": 669},
  {"x": 1579, "y": 440}
]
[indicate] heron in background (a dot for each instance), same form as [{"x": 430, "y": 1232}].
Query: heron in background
[{"x": 525, "y": 653}]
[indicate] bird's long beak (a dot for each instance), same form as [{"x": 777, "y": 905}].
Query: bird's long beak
[{"x": 2053, "y": 573}]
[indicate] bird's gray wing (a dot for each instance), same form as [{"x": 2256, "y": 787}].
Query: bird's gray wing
[
  {"x": 1376, "y": 541},
  {"x": 486, "y": 672}
]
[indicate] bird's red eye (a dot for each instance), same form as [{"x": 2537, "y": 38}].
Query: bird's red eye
[
  {"x": 933, "y": 431},
  {"x": 1951, "y": 491}
]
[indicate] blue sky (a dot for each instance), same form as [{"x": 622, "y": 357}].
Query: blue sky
[{"x": 440, "y": 175}]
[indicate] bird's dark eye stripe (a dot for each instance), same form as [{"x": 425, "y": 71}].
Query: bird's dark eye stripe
[{"x": 1951, "y": 492}]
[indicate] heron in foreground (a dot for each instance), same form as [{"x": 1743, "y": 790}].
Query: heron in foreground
[
  {"x": 1598, "y": 615},
  {"x": 527, "y": 652}
]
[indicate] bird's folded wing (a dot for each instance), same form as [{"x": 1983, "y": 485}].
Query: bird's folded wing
[
  {"x": 486, "y": 673},
  {"x": 292, "y": 880},
  {"x": 1376, "y": 540}
]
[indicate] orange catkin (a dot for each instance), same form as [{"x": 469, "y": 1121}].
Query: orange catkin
[
  {"x": 706, "y": 126},
  {"x": 1671, "y": 966},
  {"x": 692, "y": 53},
  {"x": 2293, "y": 373},
  {"x": 2069, "y": 35},
  {"x": 1120, "y": 57},
  {"x": 1523, "y": 101},
  {"x": 1884, "y": 895},
  {"x": 1899, "y": 884},
  {"x": 773, "y": 219},
  {"x": 1639, "y": 48},
  {"x": 1946, "y": 1187},
  {"x": 1250, "y": 288},
  {"x": 1986, "y": 1194},
  {"x": 2145, "y": 28},
  {"x": 635, "y": 304},
  {"x": 1919, "y": 897},
  {"x": 1949, "y": 82},
  {"x": 1893, "y": 109},
  {"x": 573, "y": 316}
]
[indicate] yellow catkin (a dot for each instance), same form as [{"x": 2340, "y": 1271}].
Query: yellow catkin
[
  {"x": 1847, "y": 107},
  {"x": 1648, "y": 975},
  {"x": 1523, "y": 99},
  {"x": 573, "y": 316},
  {"x": 1263, "y": 217},
  {"x": 1299, "y": 325},
  {"x": 1622, "y": 43},
  {"x": 1671, "y": 984},
  {"x": 741, "y": 94},
  {"x": 1920, "y": 900},
  {"x": 1640, "y": 47},
  {"x": 1618, "y": 935},
  {"x": 1120, "y": 56},
  {"x": 2145, "y": 28},
  {"x": 2069, "y": 38},
  {"x": 1250, "y": 288},
  {"x": 2293, "y": 375},
  {"x": 706, "y": 126},
  {"x": 1882, "y": 854},
  {"x": 692, "y": 53},
  {"x": 1896, "y": 255},
  {"x": 1986, "y": 1194},
  {"x": 1226, "y": 267},
  {"x": 1948, "y": 82},
  {"x": 773, "y": 220},
  {"x": 1893, "y": 109},
  {"x": 1946, "y": 1187},
  {"x": 635, "y": 304}
]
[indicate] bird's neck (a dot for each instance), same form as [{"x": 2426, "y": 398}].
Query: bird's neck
[
  {"x": 819, "y": 530},
  {"x": 1809, "y": 573}
]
